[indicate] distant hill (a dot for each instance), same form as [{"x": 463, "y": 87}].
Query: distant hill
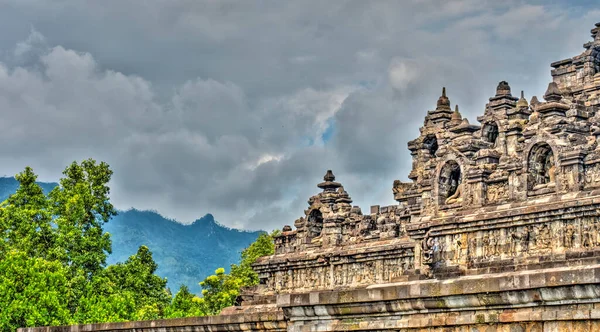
[
  {"x": 8, "y": 186},
  {"x": 185, "y": 254}
]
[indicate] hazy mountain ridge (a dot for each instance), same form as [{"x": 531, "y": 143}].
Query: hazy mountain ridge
[{"x": 185, "y": 254}]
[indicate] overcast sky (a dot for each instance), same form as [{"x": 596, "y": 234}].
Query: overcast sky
[{"x": 238, "y": 108}]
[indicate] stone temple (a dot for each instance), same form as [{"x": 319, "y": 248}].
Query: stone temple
[{"x": 498, "y": 229}]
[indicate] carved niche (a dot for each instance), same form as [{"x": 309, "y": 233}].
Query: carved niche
[
  {"x": 430, "y": 144},
  {"x": 450, "y": 185},
  {"x": 490, "y": 132},
  {"x": 541, "y": 167},
  {"x": 315, "y": 223}
]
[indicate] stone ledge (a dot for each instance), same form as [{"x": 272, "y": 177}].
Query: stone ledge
[
  {"x": 514, "y": 288},
  {"x": 562, "y": 318},
  {"x": 270, "y": 318},
  {"x": 378, "y": 247},
  {"x": 508, "y": 214},
  {"x": 538, "y": 204}
]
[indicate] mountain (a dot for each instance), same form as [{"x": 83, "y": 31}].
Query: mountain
[
  {"x": 185, "y": 254},
  {"x": 8, "y": 186}
]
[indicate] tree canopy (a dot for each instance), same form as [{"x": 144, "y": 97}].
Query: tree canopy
[{"x": 53, "y": 260}]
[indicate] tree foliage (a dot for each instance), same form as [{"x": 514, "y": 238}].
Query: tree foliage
[
  {"x": 32, "y": 291},
  {"x": 263, "y": 246},
  {"x": 53, "y": 256},
  {"x": 25, "y": 219},
  {"x": 185, "y": 304},
  {"x": 81, "y": 206},
  {"x": 125, "y": 291},
  {"x": 220, "y": 290},
  {"x": 53, "y": 260}
]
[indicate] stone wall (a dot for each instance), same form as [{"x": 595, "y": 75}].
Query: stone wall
[
  {"x": 258, "y": 318},
  {"x": 545, "y": 300},
  {"x": 498, "y": 229}
]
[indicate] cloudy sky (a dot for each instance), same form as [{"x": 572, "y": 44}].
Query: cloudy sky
[{"x": 238, "y": 108}]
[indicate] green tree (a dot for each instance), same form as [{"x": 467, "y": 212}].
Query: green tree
[
  {"x": 185, "y": 304},
  {"x": 221, "y": 290},
  {"x": 53, "y": 255},
  {"x": 81, "y": 206},
  {"x": 102, "y": 301},
  {"x": 263, "y": 246},
  {"x": 125, "y": 291},
  {"x": 32, "y": 292},
  {"x": 25, "y": 220},
  {"x": 137, "y": 276}
]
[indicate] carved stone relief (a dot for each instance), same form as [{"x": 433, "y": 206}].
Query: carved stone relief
[
  {"x": 497, "y": 192},
  {"x": 592, "y": 175}
]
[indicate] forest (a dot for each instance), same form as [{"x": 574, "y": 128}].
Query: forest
[{"x": 53, "y": 255}]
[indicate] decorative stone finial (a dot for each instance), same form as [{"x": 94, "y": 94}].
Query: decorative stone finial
[
  {"x": 343, "y": 196},
  {"x": 456, "y": 115},
  {"x": 503, "y": 89},
  {"x": 552, "y": 93},
  {"x": 329, "y": 176},
  {"x": 534, "y": 101},
  {"x": 443, "y": 102},
  {"x": 522, "y": 103},
  {"x": 329, "y": 184}
]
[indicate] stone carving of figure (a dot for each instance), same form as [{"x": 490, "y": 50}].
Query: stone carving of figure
[
  {"x": 525, "y": 239},
  {"x": 430, "y": 144},
  {"x": 486, "y": 246},
  {"x": 473, "y": 248},
  {"x": 369, "y": 271},
  {"x": 457, "y": 196},
  {"x": 544, "y": 238},
  {"x": 514, "y": 238},
  {"x": 493, "y": 246},
  {"x": 496, "y": 191},
  {"x": 350, "y": 274},
  {"x": 569, "y": 235},
  {"x": 450, "y": 183},
  {"x": 586, "y": 237},
  {"x": 542, "y": 168},
  {"x": 315, "y": 224},
  {"x": 550, "y": 168},
  {"x": 552, "y": 174},
  {"x": 501, "y": 246},
  {"x": 490, "y": 133},
  {"x": 427, "y": 246},
  {"x": 597, "y": 233},
  {"x": 457, "y": 249},
  {"x": 438, "y": 251},
  {"x": 284, "y": 280}
]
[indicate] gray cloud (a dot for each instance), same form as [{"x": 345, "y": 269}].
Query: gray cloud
[{"x": 220, "y": 107}]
